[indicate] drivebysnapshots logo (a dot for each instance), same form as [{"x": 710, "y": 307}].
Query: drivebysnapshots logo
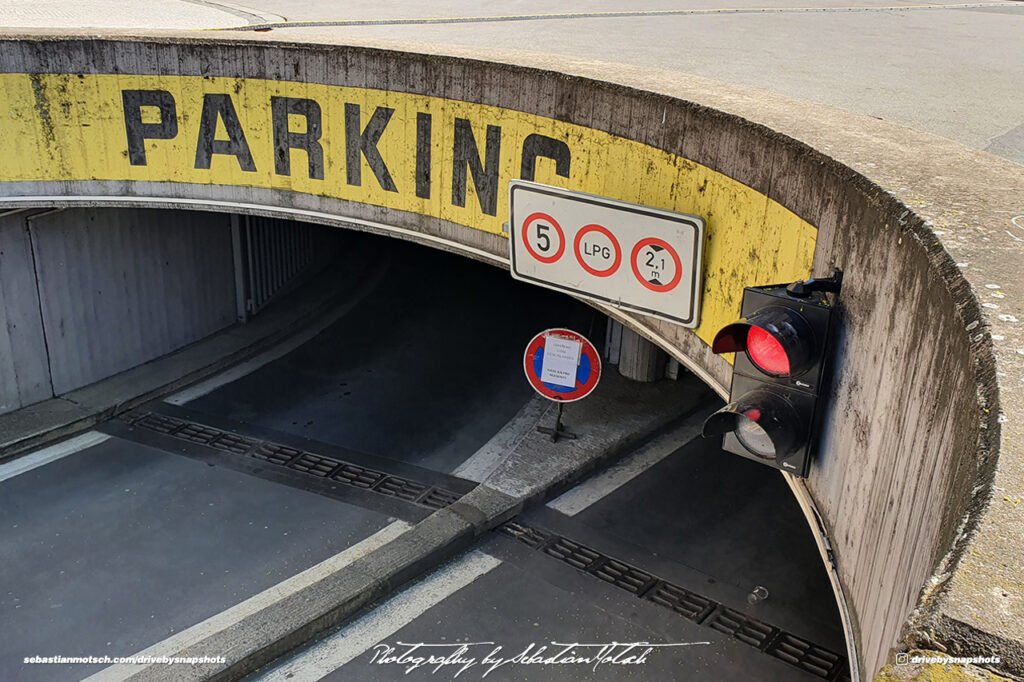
[{"x": 905, "y": 658}]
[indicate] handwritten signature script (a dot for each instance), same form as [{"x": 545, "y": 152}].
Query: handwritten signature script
[{"x": 462, "y": 656}]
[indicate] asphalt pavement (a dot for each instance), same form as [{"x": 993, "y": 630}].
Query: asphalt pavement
[
  {"x": 119, "y": 546},
  {"x": 424, "y": 370},
  {"x": 185, "y": 518},
  {"x": 578, "y": 590}
]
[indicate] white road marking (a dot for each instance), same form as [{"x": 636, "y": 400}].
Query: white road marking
[
  {"x": 253, "y": 364},
  {"x": 51, "y": 454},
  {"x": 250, "y": 366},
  {"x": 382, "y": 622},
  {"x": 235, "y": 614},
  {"x": 485, "y": 460},
  {"x": 593, "y": 489}
]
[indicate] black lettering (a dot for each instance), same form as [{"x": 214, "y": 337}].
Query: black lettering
[
  {"x": 286, "y": 140},
  {"x": 465, "y": 155},
  {"x": 540, "y": 145},
  {"x": 542, "y": 233},
  {"x": 137, "y": 131},
  {"x": 214, "y": 107},
  {"x": 365, "y": 144},
  {"x": 422, "y": 155}
]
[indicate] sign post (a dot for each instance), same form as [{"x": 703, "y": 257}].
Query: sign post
[{"x": 564, "y": 367}]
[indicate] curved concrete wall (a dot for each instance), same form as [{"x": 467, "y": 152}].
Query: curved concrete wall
[{"x": 912, "y": 434}]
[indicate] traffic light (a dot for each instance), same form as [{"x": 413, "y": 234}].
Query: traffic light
[{"x": 781, "y": 346}]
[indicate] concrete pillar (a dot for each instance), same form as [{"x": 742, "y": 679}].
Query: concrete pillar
[{"x": 639, "y": 359}]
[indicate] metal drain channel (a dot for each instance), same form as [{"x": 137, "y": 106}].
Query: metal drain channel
[
  {"x": 346, "y": 473},
  {"x": 769, "y": 639}
]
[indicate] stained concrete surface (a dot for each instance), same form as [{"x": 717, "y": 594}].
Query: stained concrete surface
[{"x": 114, "y": 548}]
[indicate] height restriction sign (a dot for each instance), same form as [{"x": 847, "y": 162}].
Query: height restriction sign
[{"x": 633, "y": 257}]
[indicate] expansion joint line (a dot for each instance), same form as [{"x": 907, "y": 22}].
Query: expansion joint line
[{"x": 562, "y": 16}]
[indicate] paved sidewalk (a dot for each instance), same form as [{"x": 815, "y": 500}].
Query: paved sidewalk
[{"x": 165, "y": 14}]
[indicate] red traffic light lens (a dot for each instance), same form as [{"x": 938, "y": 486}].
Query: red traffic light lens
[
  {"x": 767, "y": 353},
  {"x": 778, "y": 341}
]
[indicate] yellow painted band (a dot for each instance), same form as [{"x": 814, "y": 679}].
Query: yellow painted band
[{"x": 60, "y": 127}]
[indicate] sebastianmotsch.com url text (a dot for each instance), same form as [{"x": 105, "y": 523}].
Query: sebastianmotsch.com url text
[{"x": 130, "y": 660}]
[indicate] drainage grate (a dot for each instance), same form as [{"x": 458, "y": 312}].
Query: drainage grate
[
  {"x": 742, "y": 627},
  {"x": 530, "y": 537},
  {"x": 298, "y": 460},
  {"x": 702, "y": 610},
  {"x": 198, "y": 434},
  {"x": 315, "y": 465},
  {"x": 804, "y": 654},
  {"x": 574, "y": 554},
  {"x": 402, "y": 488},
  {"x": 229, "y": 442},
  {"x": 359, "y": 477},
  {"x": 276, "y": 454},
  {"x": 438, "y": 498},
  {"x": 625, "y": 576},
  {"x": 682, "y": 601},
  {"x": 155, "y": 422}
]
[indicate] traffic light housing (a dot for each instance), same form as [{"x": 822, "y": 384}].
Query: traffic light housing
[{"x": 781, "y": 345}]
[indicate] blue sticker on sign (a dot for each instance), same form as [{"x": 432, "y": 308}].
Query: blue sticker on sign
[{"x": 582, "y": 372}]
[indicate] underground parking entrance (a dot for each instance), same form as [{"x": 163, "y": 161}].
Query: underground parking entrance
[{"x": 401, "y": 392}]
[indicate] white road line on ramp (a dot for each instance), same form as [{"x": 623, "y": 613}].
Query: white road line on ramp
[
  {"x": 252, "y": 15},
  {"x": 593, "y": 489},
  {"x": 485, "y": 460},
  {"x": 253, "y": 364},
  {"x": 382, "y": 622},
  {"x": 225, "y": 619},
  {"x": 51, "y": 454}
]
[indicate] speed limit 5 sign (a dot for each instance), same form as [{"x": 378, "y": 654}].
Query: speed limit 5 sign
[{"x": 633, "y": 257}]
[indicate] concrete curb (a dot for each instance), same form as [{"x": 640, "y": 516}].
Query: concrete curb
[
  {"x": 533, "y": 471},
  {"x": 295, "y": 620}
]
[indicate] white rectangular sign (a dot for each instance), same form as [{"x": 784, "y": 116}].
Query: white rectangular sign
[
  {"x": 561, "y": 358},
  {"x": 634, "y": 257}
]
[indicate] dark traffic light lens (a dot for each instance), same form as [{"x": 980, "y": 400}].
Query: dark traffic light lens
[
  {"x": 765, "y": 351},
  {"x": 754, "y": 438}
]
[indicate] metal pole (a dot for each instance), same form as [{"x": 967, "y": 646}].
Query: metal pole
[{"x": 557, "y": 431}]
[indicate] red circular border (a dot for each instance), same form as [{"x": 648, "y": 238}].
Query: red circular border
[
  {"x": 526, "y": 226},
  {"x": 581, "y": 390},
  {"x": 615, "y": 242},
  {"x": 675, "y": 257}
]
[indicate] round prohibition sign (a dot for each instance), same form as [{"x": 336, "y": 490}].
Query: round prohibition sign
[
  {"x": 547, "y": 227},
  {"x": 588, "y": 371},
  {"x": 602, "y": 251},
  {"x": 651, "y": 271}
]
